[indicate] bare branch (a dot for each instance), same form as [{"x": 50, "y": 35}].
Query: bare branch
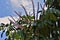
[
  {"x": 18, "y": 14},
  {"x": 24, "y": 10},
  {"x": 37, "y": 10},
  {"x": 26, "y": 13},
  {"x": 12, "y": 18},
  {"x": 41, "y": 6},
  {"x": 33, "y": 9},
  {"x": 29, "y": 14},
  {"x": 44, "y": 1},
  {"x": 44, "y": 6},
  {"x": 11, "y": 21}
]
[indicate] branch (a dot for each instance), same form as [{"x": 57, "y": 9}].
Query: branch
[
  {"x": 41, "y": 6},
  {"x": 37, "y": 10},
  {"x": 24, "y": 10},
  {"x": 12, "y": 18},
  {"x": 26, "y": 13},
  {"x": 33, "y": 9},
  {"x": 11, "y": 21},
  {"x": 18, "y": 14},
  {"x": 44, "y": 1}
]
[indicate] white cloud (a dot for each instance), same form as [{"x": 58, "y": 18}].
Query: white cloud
[
  {"x": 5, "y": 19},
  {"x": 17, "y": 3},
  {"x": 14, "y": 2},
  {"x": 25, "y": 2}
]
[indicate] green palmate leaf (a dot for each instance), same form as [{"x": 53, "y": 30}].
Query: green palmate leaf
[
  {"x": 44, "y": 31},
  {"x": 22, "y": 22},
  {"x": 31, "y": 17},
  {"x": 50, "y": 16},
  {"x": 7, "y": 33},
  {"x": 15, "y": 36},
  {"x": 25, "y": 17},
  {"x": 21, "y": 34},
  {"x": 54, "y": 11},
  {"x": 49, "y": 2},
  {"x": 35, "y": 29},
  {"x": 1, "y": 28},
  {"x": 9, "y": 38}
]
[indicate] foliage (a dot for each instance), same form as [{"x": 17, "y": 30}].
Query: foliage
[{"x": 27, "y": 27}]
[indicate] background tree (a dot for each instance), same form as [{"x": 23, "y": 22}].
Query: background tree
[{"x": 27, "y": 27}]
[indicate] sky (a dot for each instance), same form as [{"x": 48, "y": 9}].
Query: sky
[
  {"x": 7, "y": 8},
  {"x": 4, "y": 35}
]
